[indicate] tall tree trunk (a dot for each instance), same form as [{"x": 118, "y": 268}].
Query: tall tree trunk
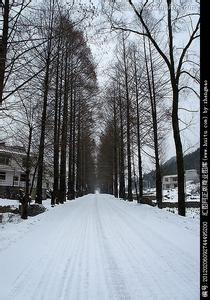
[
  {"x": 140, "y": 181},
  {"x": 73, "y": 148},
  {"x": 70, "y": 184},
  {"x": 44, "y": 109},
  {"x": 59, "y": 127},
  {"x": 135, "y": 183},
  {"x": 78, "y": 163},
  {"x": 56, "y": 137},
  {"x": 84, "y": 179},
  {"x": 42, "y": 137},
  {"x": 83, "y": 162},
  {"x": 33, "y": 178},
  {"x": 64, "y": 135},
  {"x": 130, "y": 196},
  {"x": 121, "y": 153},
  {"x": 159, "y": 193},
  {"x": 24, "y": 207},
  {"x": 115, "y": 150},
  {"x": 179, "y": 152},
  {"x": 175, "y": 117},
  {"x": 3, "y": 46},
  {"x": 155, "y": 131}
]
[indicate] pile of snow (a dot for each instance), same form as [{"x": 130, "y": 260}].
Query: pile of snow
[
  {"x": 15, "y": 203},
  {"x": 6, "y": 202},
  {"x": 10, "y": 218},
  {"x": 170, "y": 195},
  {"x": 193, "y": 190},
  {"x": 192, "y": 193},
  {"x": 12, "y": 227},
  {"x": 191, "y": 212}
]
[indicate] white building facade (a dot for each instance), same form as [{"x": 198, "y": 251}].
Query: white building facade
[
  {"x": 171, "y": 181},
  {"x": 12, "y": 171}
]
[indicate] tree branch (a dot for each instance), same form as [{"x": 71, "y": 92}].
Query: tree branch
[
  {"x": 193, "y": 77},
  {"x": 190, "y": 88},
  {"x": 148, "y": 32},
  {"x": 193, "y": 36}
]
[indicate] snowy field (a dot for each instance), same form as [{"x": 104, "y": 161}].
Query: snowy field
[
  {"x": 171, "y": 195},
  {"x": 99, "y": 248}
]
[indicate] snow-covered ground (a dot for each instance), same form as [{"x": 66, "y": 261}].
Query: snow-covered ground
[
  {"x": 99, "y": 248},
  {"x": 171, "y": 195},
  {"x": 192, "y": 212},
  {"x": 9, "y": 232},
  {"x": 15, "y": 203}
]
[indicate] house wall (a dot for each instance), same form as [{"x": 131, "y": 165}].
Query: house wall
[
  {"x": 12, "y": 163},
  {"x": 9, "y": 178},
  {"x": 8, "y": 187},
  {"x": 169, "y": 182}
]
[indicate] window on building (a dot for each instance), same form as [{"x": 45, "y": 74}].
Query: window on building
[
  {"x": 2, "y": 176},
  {"x": 15, "y": 178},
  {"x": 166, "y": 179},
  {"x": 175, "y": 179},
  {"x": 167, "y": 186},
  {"x": 23, "y": 177},
  {"x": 4, "y": 160}
]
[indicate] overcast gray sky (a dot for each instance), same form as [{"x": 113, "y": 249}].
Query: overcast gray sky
[{"x": 103, "y": 43}]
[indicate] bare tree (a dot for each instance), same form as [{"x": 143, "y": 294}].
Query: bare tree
[
  {"x": 175, "y": 61},
  {"x": 128, "y": 104},
  {"x": 47, "y": 63}
]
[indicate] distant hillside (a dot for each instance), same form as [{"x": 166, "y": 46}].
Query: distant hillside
[{"x": 191, "y": 161}]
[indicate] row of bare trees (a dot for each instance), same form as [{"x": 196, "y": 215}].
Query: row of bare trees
[
  {"x": 136, "y": 121},
  {"x": 74, "y": 86},
  {"x": 47, "y": 77},
  {"x": 48, "y": 91},
  {"x": 156, "y": 27}
]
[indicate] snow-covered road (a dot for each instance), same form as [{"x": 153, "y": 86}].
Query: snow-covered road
[{"x": 99, "y": 248}]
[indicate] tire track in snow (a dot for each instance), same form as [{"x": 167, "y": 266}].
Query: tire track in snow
[
  {"x": 114, "y": 280},
  {"x": 187, "y": 261},
  {"x": 70, "y": 283},
  {"x": 23, "y": 283},
  {"x": 88, "y": 276},
  {"x": 139, "y": 268},
  {"x": 47, "y": 260},
  {"x": 164, "y": 260},
  {"x": 65, "y": 254},
  {"x": 95, "y": 251},
  {"x": 118, "y": 249}
]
